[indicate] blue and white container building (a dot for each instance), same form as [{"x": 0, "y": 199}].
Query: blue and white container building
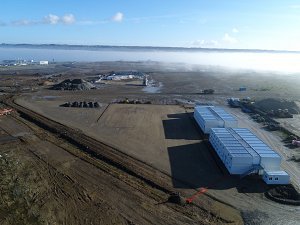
[
  {"x": 241, "y": 151},
  {"x": 209, "y": 117}
]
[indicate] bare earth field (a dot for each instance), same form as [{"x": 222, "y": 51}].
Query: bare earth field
[
  {"x": 162, "y": 135},
  {"x": 166, "y": 138},
  {"x": 50, "y": 181}
]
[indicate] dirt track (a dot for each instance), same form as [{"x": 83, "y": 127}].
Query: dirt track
[{"x": 105, "y": 191}]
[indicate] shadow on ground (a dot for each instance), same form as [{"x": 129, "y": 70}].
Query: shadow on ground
[
  {"x": 197, "y": 165},
  {"x": 194, "y": 166},
  {"x": 180, "y": 126}
]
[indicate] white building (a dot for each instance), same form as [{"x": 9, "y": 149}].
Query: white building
[
  {"x": 242, "y": 153},
  {"x": 120, "y": 77},
  {"x": 209, "y": 117},
  {"x": 44, "y": 62},
  {"x": 276, "y": 177}
]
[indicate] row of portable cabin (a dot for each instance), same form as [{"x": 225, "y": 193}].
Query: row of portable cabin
[
  {"x": 209, "y": 117},
  {"x": 240, "y": 150}
]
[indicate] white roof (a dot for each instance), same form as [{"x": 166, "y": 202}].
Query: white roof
[
  {"x": 276, "y": 173},
  {"x": 243, "y": 141},
  {"x": 214, "y": 113}
]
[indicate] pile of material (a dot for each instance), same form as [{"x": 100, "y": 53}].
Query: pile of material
[
  {"x": 133, "y": 101},
  {"x": 73, "y": 85},
  {"x": 285, "y": 194},
  {"x": 269, "y": 104},
  {"x": 81, "y": 104}
]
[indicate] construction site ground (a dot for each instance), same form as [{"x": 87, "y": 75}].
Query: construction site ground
[
  {"x": 166, "y": 138},
  {"x": 118, "y": 164},
  {"x": 46, "y": 180}
]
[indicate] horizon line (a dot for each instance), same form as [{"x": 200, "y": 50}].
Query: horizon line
[{"x": 149, "y": 46}]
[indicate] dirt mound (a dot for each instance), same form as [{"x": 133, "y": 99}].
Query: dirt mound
[
  {"x": 285, "y": 194},
  {"x": 296, "y": 158},
  {"x": 81, "y": 104},
  {"x": 47, "y": 83},
  {"x": 73, "y": 85},
  {"x": 274, "y": 104}
]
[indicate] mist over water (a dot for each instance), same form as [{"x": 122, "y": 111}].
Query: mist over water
[{"x": 259, "y": 61}]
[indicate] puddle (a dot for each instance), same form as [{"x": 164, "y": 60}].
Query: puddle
[
  {"x": 153, "y": 87},
  {"x": 46, "y": 97},
  {"x": 50, "y": 97}
]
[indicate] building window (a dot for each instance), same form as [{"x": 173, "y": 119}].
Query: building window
[
  {"x": 276, "y": 178},
  {"x": 270, "y": 178}
]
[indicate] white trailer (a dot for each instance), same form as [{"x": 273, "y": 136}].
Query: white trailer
[{"x": 276, "y": 177}]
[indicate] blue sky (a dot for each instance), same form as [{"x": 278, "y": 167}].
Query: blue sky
[{"x": 258, "y": 24}]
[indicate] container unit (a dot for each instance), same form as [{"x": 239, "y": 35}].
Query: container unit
[
  {"x": 228, "y": 119},
  {"x": 242, "y": 152},
  {"x": 209, "y": 117},
  {"x": 206, "y": 120},
  {"x": 276, "y": 177},
  {"x": 269, "y": 159},
  {"x": 233, "y": 154},
  {"x": 270, "y": 162}
]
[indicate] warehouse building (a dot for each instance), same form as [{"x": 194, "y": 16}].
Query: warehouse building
[
  {"x": 209, "y": 117},
  {"x": 243, "y": 153}
]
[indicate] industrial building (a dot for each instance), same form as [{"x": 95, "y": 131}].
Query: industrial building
[
  {"x": 209, "y": 117},
  {"x": 243, "y": 153},
  {"x": 44, "y": 62}
]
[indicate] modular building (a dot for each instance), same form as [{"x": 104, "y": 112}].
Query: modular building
[
  {"x": 44, "y": 62},
  {"x": 276, "y": 177},
  {"x": 209, "y": 117},
  {"x": 243, "y": 153}
]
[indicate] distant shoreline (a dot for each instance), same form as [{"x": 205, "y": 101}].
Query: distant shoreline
[{"x": 137, "y": 48}]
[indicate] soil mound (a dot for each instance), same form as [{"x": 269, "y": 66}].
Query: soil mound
[
  {"x": 73, "y": 85},
  {"x": 285, "y": 194},
  {"x": 274, "y": 104}
]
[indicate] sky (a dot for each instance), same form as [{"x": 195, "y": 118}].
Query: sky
[{"x": 237, "y": 24}]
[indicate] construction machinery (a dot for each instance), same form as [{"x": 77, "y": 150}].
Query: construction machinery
[
  {"x": 296, "y": 143},
  {"x": 5, "y": 112},
  {"x": 234, "y": 102},
  {"x": 208, "y": 91},
  {"x": 280, "y": 113}
]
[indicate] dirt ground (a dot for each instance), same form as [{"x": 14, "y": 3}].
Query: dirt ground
[
  {"x": 147, "y": 132},
  {"x": 162, "y": 135},
  {"x": 45, "y": 182},
  {"x": 166, "y": 137}
]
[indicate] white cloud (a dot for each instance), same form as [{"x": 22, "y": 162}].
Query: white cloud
[
  {"x": 118, "y": 17},
  {"x": 92, "y": 22},
  {"x": 54, "y": 19},
  {"x": 235, "y": 30},
  {"x": 68, "y": 19},
  {"x": 51, "y": 19},
  {"x": 205, "y": 43},
  {"x": 22, "y": 22},
  {"x": 229, "y": 39}
]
